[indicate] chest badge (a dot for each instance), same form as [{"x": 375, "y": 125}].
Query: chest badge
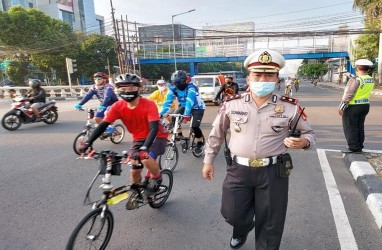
[
  {"x": 237, "y": 128},
  {"x": 279, "y": 108}
]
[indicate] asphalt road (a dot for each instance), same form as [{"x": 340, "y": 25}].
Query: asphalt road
[{"x": 43, "y": 185}]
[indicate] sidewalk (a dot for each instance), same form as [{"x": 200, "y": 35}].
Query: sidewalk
[{"x": 367, "y": 176}]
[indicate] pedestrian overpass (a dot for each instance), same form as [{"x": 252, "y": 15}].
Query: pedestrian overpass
[
  {"x": 236, "y": 49},
  {"x": 193, "y": 62}
]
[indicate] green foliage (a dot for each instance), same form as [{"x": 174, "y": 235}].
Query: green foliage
[
  {"x": 367, "y": 47},
  {"x": 30, "y": 31},
  {"x": 17, "y": 71},
  {"x": 313, "y": 69},
  {"x": 94, "y": 52}
]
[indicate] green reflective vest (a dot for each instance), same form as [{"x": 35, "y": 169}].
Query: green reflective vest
[{"x": 366, "y": 85}]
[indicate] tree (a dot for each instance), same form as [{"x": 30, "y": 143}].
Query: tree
[
  {"x": 30, "y": 31},
  {"x": 17, "y": 70},
  {"x": 313, "y": 69},
  {"x": 43, "y": 40},
  {"x": 94, "y": 52}
]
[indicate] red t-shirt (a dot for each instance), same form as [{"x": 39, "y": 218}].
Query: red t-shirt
[{"x": 136, "y": 120}]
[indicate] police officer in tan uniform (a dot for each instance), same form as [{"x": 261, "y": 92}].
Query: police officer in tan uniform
[{"x": 260, "y": 124}]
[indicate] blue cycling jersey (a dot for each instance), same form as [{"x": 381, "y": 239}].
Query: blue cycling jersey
[
  {"x": 188, "y": 98},
  {"x": 105, "y": 95}
]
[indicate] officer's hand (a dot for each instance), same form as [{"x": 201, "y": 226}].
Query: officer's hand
[
  {"x": 208, "y": 171},
  {"x": 186, "y": 118},
  {"x": 77, "y": 106},
  {"x": 340, "y": 112},
  {"x": 165, "y": 115}
]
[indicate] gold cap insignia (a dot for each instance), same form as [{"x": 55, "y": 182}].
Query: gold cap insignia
[
  {"x": 265, "y": 58},
  {"x": 279, "y": 108}
]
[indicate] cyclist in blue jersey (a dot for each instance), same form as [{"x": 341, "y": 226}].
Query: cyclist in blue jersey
[
  {"x": 190, "y": 103},
  {"x": 105, "y": 94}
]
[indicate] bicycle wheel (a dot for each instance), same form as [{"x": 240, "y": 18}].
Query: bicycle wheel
[
  {"x": 160, "y": 197},
  {"x": 169, "y": 160},
  {"x": 194, "y": 149},
  {"x": 93, "y": 232},
  {"x": 118, "y": 134},
  {"x": 80, "y": 139}
]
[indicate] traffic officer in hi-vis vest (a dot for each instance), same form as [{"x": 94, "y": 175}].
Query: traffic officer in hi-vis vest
[
  {"x": 262, "y": 126},
  {"x": 355, "y": 106}
]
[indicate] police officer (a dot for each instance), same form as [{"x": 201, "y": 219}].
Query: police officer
[
  {"x": 258, "y": 166},
  {"x": 355, "y": 106}
]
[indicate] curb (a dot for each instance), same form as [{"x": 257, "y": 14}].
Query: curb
[{"x": 368, "y": 184}]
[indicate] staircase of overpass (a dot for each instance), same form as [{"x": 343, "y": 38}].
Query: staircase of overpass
[{"x": 235, "y": 49}]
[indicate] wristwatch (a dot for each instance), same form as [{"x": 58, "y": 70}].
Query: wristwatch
[{"x": 143, "y": 148}]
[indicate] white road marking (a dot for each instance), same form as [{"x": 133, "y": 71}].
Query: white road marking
[{"x": 344, "y": 230}]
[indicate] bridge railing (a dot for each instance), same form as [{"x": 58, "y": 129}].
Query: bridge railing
[{"x": 51, "y": 91}]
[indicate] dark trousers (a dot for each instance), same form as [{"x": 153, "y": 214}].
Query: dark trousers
[
  {"x": 255, "y": 192},
  {"x": 353, "y": 123}
]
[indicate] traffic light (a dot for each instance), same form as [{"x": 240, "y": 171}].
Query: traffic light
[{"x": 71, "y": 65}]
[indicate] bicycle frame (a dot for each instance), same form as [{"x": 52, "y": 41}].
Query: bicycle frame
[{"x": 186, "y": 141}]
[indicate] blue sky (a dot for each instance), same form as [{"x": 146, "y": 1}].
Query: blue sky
[{"x": 266, "y": 14}]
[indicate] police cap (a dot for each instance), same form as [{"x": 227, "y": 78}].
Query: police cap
[{"x": 265, "y": 60}]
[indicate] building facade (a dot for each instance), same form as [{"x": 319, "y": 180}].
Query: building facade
[{"x": 79, "y": 14}]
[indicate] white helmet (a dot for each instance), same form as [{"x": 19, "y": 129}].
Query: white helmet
[
  {"x": 363, "y": 62},
  {"x": 161, "y": 81}
]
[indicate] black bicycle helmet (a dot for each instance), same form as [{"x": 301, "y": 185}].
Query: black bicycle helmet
[
  {"x": 179, "y": 76},
  {"x": 127, "y": 78},
  {"x": 34, "y": 83},
  {"x": 101, "y": 74}
]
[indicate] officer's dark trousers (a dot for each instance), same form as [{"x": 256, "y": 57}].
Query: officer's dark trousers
[
  {"x": 353, "y": 121},
  {"x": 255, "y": 192}
]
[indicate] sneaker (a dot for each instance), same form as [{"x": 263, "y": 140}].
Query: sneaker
[
  {"x": 145, "y": 182},
  {"x": 199, "y": 147},
  {"x": 110, "y": 129},
  {"x": 153, "y": 185}
]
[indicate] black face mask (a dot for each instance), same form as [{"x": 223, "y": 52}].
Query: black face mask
[
  {"x": 181, "y": 86},
  {"x": 129, "y": 96}
]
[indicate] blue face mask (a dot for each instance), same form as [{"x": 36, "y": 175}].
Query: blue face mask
[{"x": 262, "y": 88}]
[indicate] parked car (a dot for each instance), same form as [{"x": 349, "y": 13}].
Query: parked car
[{"x": 242, "y": 82}]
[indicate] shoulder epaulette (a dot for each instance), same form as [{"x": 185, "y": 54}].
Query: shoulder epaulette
[
  {"x": 232, "y": 97},
  {"x": 288, "y": 99}
]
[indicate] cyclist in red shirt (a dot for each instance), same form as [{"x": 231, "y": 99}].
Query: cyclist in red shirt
[{"x": 141, "y": 118}]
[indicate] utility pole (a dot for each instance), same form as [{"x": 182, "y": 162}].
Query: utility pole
[
  {"x": 128, "y": 42},
  {"x": 137, "y": 43},
  {"x": 116, "y": 38},
  {"x": 126, "y": 59},
  {"x": 380, "y": 56}
]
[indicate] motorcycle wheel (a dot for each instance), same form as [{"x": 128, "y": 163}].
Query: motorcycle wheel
[
  {"x": 80, "y": 139},
  {"x": 51, "y": 116},
  {"x": 11, "y": 122}
]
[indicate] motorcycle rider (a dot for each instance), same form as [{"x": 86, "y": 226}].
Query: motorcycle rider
[
  {"x": 105, "y": 94},
  {"x": 36, "y": 96},
  {"x": 190, "y": 102},
  {"x": 228, "y": 88}
]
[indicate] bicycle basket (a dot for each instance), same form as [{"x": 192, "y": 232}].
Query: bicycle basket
[{"x": 115, "y": 167}]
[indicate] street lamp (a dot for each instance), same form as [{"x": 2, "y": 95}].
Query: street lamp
[{"x": 173, "y": 32}]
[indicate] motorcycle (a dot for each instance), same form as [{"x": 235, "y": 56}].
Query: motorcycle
[{"x": 20, "y": 114}]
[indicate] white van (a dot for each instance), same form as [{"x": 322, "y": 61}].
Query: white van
[{"x": 208, "y": 85}]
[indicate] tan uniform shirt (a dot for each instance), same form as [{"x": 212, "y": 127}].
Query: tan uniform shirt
[{"x": 255, "y": 132}]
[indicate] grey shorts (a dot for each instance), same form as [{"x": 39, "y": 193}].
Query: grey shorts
[
  {"x": 157, "y": 148},
  {"x": 37, "y": 105}
]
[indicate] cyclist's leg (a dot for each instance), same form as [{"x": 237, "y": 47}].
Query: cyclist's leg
[
  {"x": 98, "y": 116},
  {"x": 197, "y": 115},
  {"x": 157, "y": 148},
  {"x": 136, "y": 170}
]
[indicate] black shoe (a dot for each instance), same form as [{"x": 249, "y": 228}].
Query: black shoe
[
  {"x": 199, "y": 147},
  {"x": 348, "y": 151},
  {"x": 153, "y": 185},
  {"x": 236, "y": 243}
]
